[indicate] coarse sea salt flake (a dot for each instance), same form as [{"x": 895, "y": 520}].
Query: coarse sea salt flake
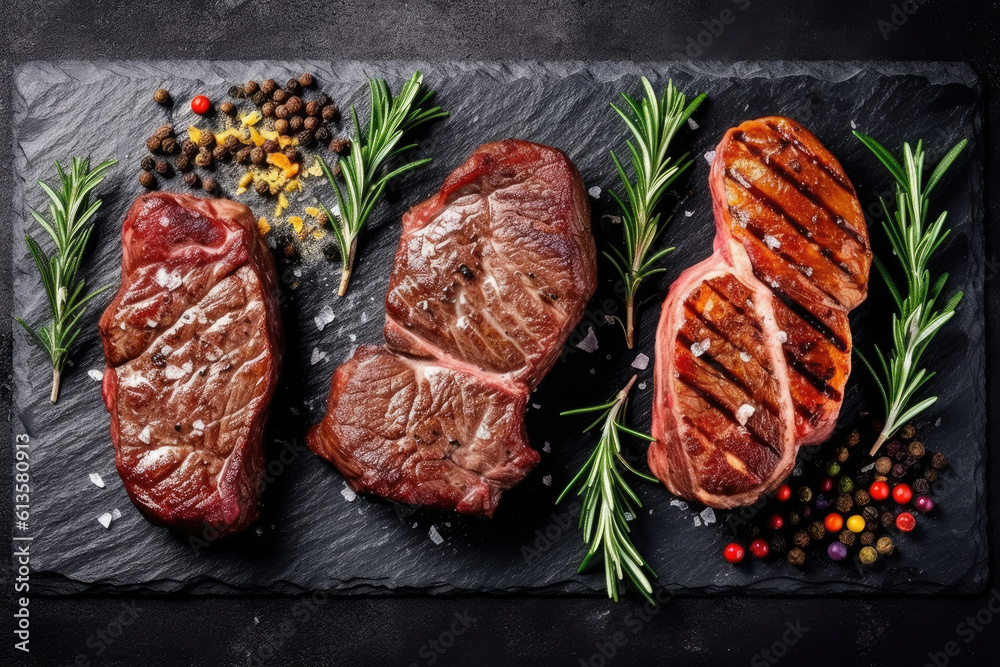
[
  {"x": 744, "y": 413},
  {"x": 589, "y": 343},
  {"x": 697, "y": 521},
  {"x": 642, "y": 385},
  {"x": 435, "y": 535},
  {"x": 97, "y": 480},
  {"x": 698, "y": 349},
  {"x": 707, "y": 515},
  {"x": 547, "y": 480},
  {"x": 96, "y": 375},
  {"x": 146, "y": 434},
  {"x": 744, "y": 357},
  {"x": 688, "y": 214},
  {"x": 105, "y": 519},
  {"x": 680, "y": 504},
  {"x": 316, "y": 357},
  {"x": 641, "y": 362},
  {"x": 594, "y": 192},
  {"x": 198, "y": 425},
  {"x": 173, "y": 372},
  {"x": 348, "y": 494},
  {"x": 771, "y": 242},
  {"x": 547, "y": 447},
  {"x": 782, "y": 336},
  {"x": 325, "y": 317},
  {"x": 692, "y": 124},
  {"x": 116, "y": 514},
  {"x": 709, "y": 156}
]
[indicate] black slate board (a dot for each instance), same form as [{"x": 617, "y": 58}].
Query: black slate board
[{"x": 311, "y": 536}]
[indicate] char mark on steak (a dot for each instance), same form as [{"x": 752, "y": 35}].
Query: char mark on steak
[
  {"x": 192, "y": 342},
  {"x": 753, "y": 348},
  {"x": 490, "y": 277}
]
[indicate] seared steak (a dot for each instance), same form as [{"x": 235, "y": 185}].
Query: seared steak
[
  {"x": 490, "y": 277},
  {"x": 754, "y": 346},
  {"x": 192, "y": 341}
]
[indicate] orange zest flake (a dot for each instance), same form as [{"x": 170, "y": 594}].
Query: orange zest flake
[
  {"x": 294, "y": 185},
  {"x": 194, "y": 134},
  {"x": 256, "y": 137},
  {"x": 297, "y": 224},
  {"x": 280, "y": 160},
  {"x": 263, "y": 226},
  {"x": 251, "y": 118},
  {"x": 282, "y": 205}
]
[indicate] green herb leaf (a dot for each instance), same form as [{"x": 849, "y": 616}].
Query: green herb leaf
[
  {"x": 69, "y": 226},
  {"x": 916, "y": 321},
  {"x": 607, "y": 499},
  {"x": 364, "y": 169}
]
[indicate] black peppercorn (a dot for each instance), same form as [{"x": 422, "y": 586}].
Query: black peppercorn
[
  {"x": 339, "y": 144},
  {"x": 209, "y": 184},
  {"x": 336, "y": 174},
  {"x": 269, "y": 87},
  {"x": 161, "y": 96},
  {"x": 869, "y": 513},
  {"x": 310, "y": 123},
  {"x": 861, "y": 497},
  {"x": 258, "y": 156},
  {"x": 164, "y": 131},
  {"x": 883, "y": 465},
  {"x": 191, "y": 179},
  {"x": 888, "y": 519},
  {"x": 931, "y": 475},
  {"x": 232, "y": 143},
  {"x": 329, "y": 113},
  {"x": 908, "y": 432},
  {"x": 281, "y": 126},
  {"x": 893, "y": 447},
  {"x": 258, "y": 98},
  {"x": 206, "y": 140},
  {"x": 292, "y": 154},
  {"x": 147, "y": 180},
  {"x": 295, "y": 123},
  {"x": 270, "y": 146},
  {"x": 322, "y": 135},
  {"x": 164, "y": 169},
  {"x": 268, "y": 109},
  {"x": 801, "y": 538},
  {"x": 153, "y": 144},
  {"x": 899, "y": 471},
  {"x": 250, "y": 87},
  {"x": 884, "y": 545},
  {"x": 220, "y": 153},
  {"x": 189, "y": 148},
  {"x": 293, "y": 86},
  {"x": 236, "y": 92},
  {"x": 242, "y": 156},
  {"x": 842, "y": 454},
  {"x": 204, "y": 158},
  {"x": 281, "y": 112},
  {"x": 844, "y": 503},
  {"x": 816, "y": 531},
  {"x": 228, "y": 108},
  {"x": 306, "y": 79},
  {"x": 794, "y": 518},
  {"x": 279, "y": 96},
  {"x": 866, "y": 538},
  {"x": 294, "y": 104},
  {"x": 183, "y": 163},
  {"x": 322, "y": 100},
  {"x": 169, "y": 145},
  {"x": 797, "y": 557},
  {"x": 921, "y": 486},
  {"x": 805, "y": 494},
  {"x": 939, "y": 462},
  {"x": 846, "y": 537},
  {"x": 261, "y": 187},
  {"x": 854, "y": 438},
  {"x": 778, "y": 543},
  {"x": 306, "y": 138},
  {"x": 147, "y": 163},
  {"x": 871, "y": 525},
  {"x": 313, "y": 108}
]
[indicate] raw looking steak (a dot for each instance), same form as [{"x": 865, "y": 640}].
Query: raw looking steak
[
  {"x": 754, "y": 346},
  {"x": 490, "y": 277},
  {"x": 193, "y": 348}
]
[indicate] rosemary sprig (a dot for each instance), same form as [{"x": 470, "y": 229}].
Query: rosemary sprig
[
  {"x": 653, "y": 122},
  {"x": 913, "y": 243},
  {"x": 69, "y": 226},
  {"x": 607, "y": 498},
  {"x": 365, "y": 178}
]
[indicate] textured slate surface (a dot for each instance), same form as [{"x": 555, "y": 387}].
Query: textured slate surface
[{"x": 310, "y": 531}]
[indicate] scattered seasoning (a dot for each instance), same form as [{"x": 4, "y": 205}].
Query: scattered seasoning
[
  {"x": 902, "y": 494},
  {"x": 161, "y": 96},
  {"x": 258, "y": 98},
  {"x": 306, "y": 80},
  {"x": 293, "y": 86},
  {"x": 153, "y": 144},
  {"x": 801, "y": 538},
  {"x": 209, "y": 184},
  {"x": 192, "y": 179},
  {"x": 924, "y": 504},
  {"x": 279, "y": 96},
  {"x": 228, "y": 108},
  {"x": 867, "y": 538},
  {"x": 921, "y": 486},
  {"x": 760, "y": 548},
  {"x": 797, "y": 557},
  {"x": 908, "y": 432},
  {"x": 189, "y": 148},
  {"x": 268, "y": 109},
  {"x": 844, "y": 503},
  {"x": 201, "y": 105},
  {"x": 147, "y": 180},
  {"x": 847, "y": 538},
  {"x": 837, "y": 551},
  {"x": 883, "y": 465},
  {"x": 147, "y": 163},
  {"x": 884, "y": 545},
  {"x": 329, "y": 113},
  {"x": 861, "y": 497},
  {"x": 868, "y": 555},
  {"x": 939, "y": 462},
  {"x": 204, "y": 158},
  {"x": 906, "y": 522},
  {"x": 734, "y": 553},
  {"x": 164, "y": 169}
]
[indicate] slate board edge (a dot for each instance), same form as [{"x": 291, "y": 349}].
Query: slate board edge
[{"x": 934, "y": 72}]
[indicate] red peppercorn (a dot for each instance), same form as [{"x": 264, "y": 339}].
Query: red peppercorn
[
  {"x": 783, "y": 493},
  {"x": 878, "y": 491},
  {"x": 201, "y": 105},
  {"x": 734, "y": 553},
  {"x": 905, "y": 522},
  {"x": 902, "y": 493},
  {"x": 760, "y": 548},
  {"x": 833, "y": 522},
  {"x": 776, "y": 522},
  {"x": 826, "y": 485}
]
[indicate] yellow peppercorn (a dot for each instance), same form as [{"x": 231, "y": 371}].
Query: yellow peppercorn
[{"x": 855, "y": 523}]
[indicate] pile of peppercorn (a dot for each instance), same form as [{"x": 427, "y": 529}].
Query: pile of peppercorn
[
  {"x": 290, "y": 114},
  {"x": 845, "y": 505}
]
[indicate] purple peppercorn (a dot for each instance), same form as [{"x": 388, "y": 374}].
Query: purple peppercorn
[
  {"x": 837, "y": 551},
  {"x": 924, "y": 504},
  {"x": 822, "y": 502}
]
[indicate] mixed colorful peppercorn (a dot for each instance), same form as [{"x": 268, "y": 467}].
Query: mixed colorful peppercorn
[{"x": 844, "y": 503}]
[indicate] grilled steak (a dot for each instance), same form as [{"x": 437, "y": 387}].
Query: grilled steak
[
  {"x": 754, "y": 346},
  {"x": 192, "y": 342},
  {"x": 490, "y": 277}
]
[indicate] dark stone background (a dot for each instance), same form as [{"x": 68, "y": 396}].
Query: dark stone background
[{"x": 688, "y": 630}]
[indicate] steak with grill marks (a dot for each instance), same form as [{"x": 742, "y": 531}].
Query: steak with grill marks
[
  {"x": 753, "y": 348},
  {"x": 192, "y": 342},
  {"x": 490, "y": 277}
]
